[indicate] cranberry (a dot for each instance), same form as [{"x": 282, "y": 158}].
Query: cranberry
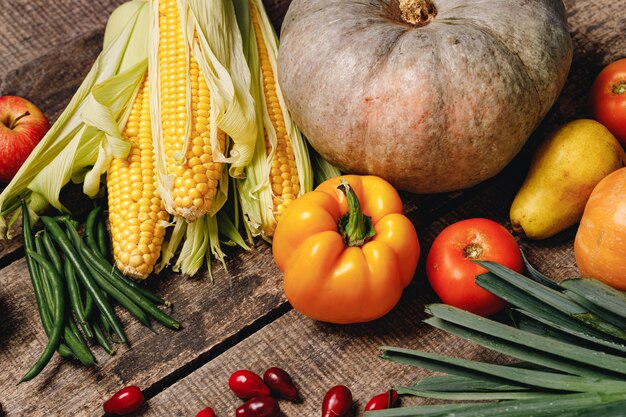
[
  {"x": 125, "y": 401},
  {"x": 383, "y": 401},
  {"x": 337, "y": 402},
  {"x": 280, "y": 383},
  {"x": 258, "y": 407},
  {"x": 246, "y": 384},
  {"x": 206, "y": 412}
]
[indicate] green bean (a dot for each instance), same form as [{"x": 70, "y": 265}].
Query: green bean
[
  {"x": 51, "y": 251},
  {"x": 103, "y": 238},
  {"x": 145, "y": 304},
  {"x": 59, "y": 318},
  {"x": 101, "y": 280},
  {"x": 48, "y": 300},
  {"x": 112, "y": 273},
  {"x": 78, "y": 345},
  {"x": 119, "y": 296},
  {"x": 88, "y": 304},
  {"x": 74, "y": 237},
  {"x": 73, "y": 290},
  {"x": 70, "y": 251},
  {"x": 35, "y": 277},
  {"x": 74, "y": 329},
  {"x": 45, "y": 281},
  {"x": 90, "y": 228},
  {"x": 102, "y": 340},
  {"x": 105, "y": 326}
]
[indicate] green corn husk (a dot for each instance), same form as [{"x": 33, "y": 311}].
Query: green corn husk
[
  {"x": 84, "y": 139},
  {"x": 212, "y": 37},
  {"x": 255, "y": 190}
]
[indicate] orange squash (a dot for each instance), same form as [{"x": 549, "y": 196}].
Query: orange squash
[{"x": 600, "y": 245}]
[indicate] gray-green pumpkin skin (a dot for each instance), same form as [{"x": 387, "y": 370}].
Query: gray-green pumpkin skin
[{"x": 435, "y": 108}]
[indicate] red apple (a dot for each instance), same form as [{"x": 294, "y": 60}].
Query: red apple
[{"x": 22, "y": 125}]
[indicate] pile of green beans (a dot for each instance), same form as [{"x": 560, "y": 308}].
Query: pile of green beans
[{"x": 76, "y": 287}]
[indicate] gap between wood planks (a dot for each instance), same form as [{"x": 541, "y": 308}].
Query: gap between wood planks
[
  {"x": 444, "y": 203},
  {"x": 217, "y": 350}
]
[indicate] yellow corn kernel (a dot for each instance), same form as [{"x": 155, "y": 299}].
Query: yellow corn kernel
[
  {"x": 283, "y": 169},
  {"x": 135, "y": 210},
  {"x": 194, "y": 195}
]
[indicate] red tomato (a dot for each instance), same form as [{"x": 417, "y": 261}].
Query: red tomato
[
  {"x": 607, "y": 100},
  {"x": 451, "y": 271}
]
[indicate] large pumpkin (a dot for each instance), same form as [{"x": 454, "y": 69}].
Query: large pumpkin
[{"x": 433, "y": 96}]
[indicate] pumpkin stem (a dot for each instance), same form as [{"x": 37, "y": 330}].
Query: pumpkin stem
[
  {"x": 417, "y": 12},
  {"x": 355, "y": 227}
]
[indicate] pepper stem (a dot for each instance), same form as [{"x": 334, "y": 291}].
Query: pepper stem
[{"x": 355, "y": 227}]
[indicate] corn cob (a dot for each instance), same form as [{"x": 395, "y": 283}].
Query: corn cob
[
  {"x": 136, "y": 212},
  {"x": 281, "y": 170},
  {"x": 217, "y": 102},
  {"x": 186, "y": 142},
  {"x": 284, "y": 179}
]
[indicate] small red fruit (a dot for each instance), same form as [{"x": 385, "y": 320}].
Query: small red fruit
[
  {"x": 246, "y": 384},
  {"x": 337, "y": 402},
  {"x": 206, "y": 412},
  {"x": 258, "y": 407},
  {"x": 280, "y": 383},
  {"x": 125, "y": 401},
  {"x": 383, "y": 401},
  {"x": 22, "y": 125}
]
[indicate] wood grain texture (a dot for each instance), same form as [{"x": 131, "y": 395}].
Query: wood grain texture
[
  {"x": 210, "y": 313},
  {"x": 249, "y": 296},
  {"x": 320, "y": 355},
  {"x": 30, "y": 29}
]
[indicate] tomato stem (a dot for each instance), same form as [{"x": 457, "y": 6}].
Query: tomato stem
[
  {"x": 473, "y": 251},
  {"x": 619, "y": 87},
  {"x": 355, "y": 227}
]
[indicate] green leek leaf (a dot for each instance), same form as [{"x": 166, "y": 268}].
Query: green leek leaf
[
  {"x": 599, "y": 294},
  {"x": 538, "y": 325},
  {"x": 501, "y": 373},
  {"x": 523, "y": 345}
]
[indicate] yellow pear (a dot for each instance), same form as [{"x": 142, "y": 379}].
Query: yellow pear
[{"x": 563, "y": 172}]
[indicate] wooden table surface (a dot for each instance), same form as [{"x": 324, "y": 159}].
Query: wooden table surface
[{"x": 242, "y": 319}]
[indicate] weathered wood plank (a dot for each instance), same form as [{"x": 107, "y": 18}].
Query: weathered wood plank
[
  {"x": 30, "y": 29},
  {"x": 321, "y": 355},
  {"x": 209, "y": 312},
  {"x": 250, "y": 294}
]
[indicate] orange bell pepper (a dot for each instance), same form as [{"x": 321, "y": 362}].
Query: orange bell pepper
[{"x": 346, "y": 250}]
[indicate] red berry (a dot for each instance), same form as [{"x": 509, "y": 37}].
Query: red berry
[
  {"x": 337, "y": 402},
  {"x": 125, "y": 401},
  {"x": 206, "y": 412},
  {"x": 280, "y": 383},
  {"x": 258, "y": 407},
  {"x": 246, "y": 384},
  {"x": 383, "y": 401}
]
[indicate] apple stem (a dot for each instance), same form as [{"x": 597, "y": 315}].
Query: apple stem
[{"x": 18, "y": 119}]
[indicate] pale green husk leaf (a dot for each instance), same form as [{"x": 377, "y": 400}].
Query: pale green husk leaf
[
  {"x": 86, "y": 136},
  {"x": 255, "y": 190}
]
